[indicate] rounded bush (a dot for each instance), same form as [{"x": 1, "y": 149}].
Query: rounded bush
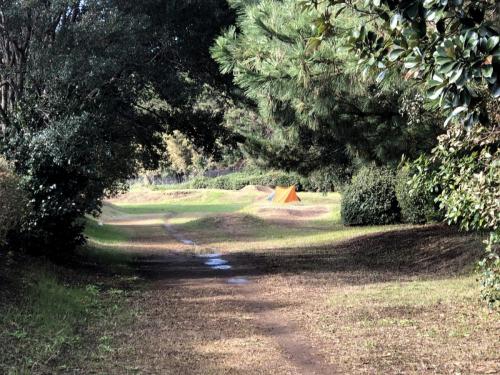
[
  {"x": 370, "y": 198},
  {"x": 199, "y": 183},
  {"x": 417, "y": 204}
]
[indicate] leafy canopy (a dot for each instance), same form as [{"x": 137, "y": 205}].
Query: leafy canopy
[
  {"x": 452, "y": 48},
  {"x": 306, "y": 108}
]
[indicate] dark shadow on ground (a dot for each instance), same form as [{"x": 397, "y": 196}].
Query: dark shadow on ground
[{"x": 431, "y": 251}]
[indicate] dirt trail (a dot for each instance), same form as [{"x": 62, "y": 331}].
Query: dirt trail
[
  {"x": 194, "y": 322},
  {"x": 294, "y": 345},
  {"x": 372, "y": 304}
]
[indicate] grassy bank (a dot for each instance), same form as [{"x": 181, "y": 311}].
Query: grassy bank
[{"x": 55, "y": 319}]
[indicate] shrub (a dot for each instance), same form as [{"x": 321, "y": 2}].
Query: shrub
[
  {"x": 236, "y": 181},
  {"x": 12, "y": 201},
  {"x": 416, "y": 202},
  {"x": 325, "y": 180},
  {"x": 489, "y": 268},
  {"x": 370, "y": 198}
]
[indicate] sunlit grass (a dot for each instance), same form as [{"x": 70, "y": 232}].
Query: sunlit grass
[
  {"x": 408, "y": 293},
  {"x": 208, "y": 201},
  {"x": 179, "y": 208},
  {"x": 103, "y": 245},
  {"x": 103, "y": 234},
  {"x": 203, "y": 217},
  {"x": 248, "y": 232}
]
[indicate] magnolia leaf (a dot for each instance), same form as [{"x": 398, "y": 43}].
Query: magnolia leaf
[
  {"x": 396, "y": 52},
  {"x": 447, "y": 67},
  {"x": 492, "y": 42},
  {"x": 487, "y": 71},
  {"x": 456, "y": 75},
  {"x": 435, "y": 93},
  {"x": 412, "y": 10},
  {"x": 381, "y": 76},
  {"x": 395, "y": 20}
]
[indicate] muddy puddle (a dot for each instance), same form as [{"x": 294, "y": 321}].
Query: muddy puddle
[
  {"x": 215, "y": 262},
  {"x": 222, "y": 267},
  {"x": 237, "y": 281},
  {"x": 209, "y": 255}
]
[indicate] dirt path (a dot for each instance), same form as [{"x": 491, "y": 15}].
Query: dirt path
[
  {"x": 294, "y": 345},
  {"x": 199, "y": 320},
  {"x": 380, "y": 303}
]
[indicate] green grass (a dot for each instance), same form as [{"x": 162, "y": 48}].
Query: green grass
[
  {"x": 202, "y": 217},
  {"x": 180, "y": 208},
  {"x": 102, "y": 246},
  {"x": 46, "y": 322},
  {"x": 52, "y": 325},
  {"x": 104, "y": 234},
  {"x": 253, "y": 232},
  {"x": 412, "y": 293},
  {"x": 209, "y": 201}
]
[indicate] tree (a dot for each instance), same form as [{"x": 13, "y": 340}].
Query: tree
[
  {"x": 71, "y": 76},
  {"x": 305, "y": 108},
  {"x": 181, "y": 157},
  {"x": 12, "y": 201},
  {"x": 452, "y": 49},
  {"x": 187, "y": 92},
  {"x": 87, "y": 89}
]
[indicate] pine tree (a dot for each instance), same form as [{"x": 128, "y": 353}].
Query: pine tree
[{"x": 308, "y": 109}]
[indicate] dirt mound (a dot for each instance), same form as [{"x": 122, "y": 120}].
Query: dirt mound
[
  {"x": 292, "y": 213},
  {"x": 256, "y": 189},
  {"x": 234, "y": 226},
  {"x": 153, "y": 196}
]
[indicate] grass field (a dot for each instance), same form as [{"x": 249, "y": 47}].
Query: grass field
[
  {"x": 321, "y": 296},
  {"x": 402, "y": 300}
]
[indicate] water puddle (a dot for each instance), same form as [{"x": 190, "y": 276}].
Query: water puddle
[
  {"x": 209, "y": 255},
  {"x": 215, "y": 262},
  {"x": 187, "y": 242},
  {"x": 237, "y": 281},
  {"x": 221, "y": 267}
]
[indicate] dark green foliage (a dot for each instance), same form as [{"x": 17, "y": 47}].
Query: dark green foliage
[
  {"x": 73, "y": 132},
  {"x": 75, "y": 113},
  {"x": 453, "y": 46},
  {"x": 306, "y": 108},
  {"x": 320, "y": 181},
  {"x": 451, "y": 49},
  {"x": 325, "y": 180},
  {"x": 417, "y": 203},
  {"x": 187, "y": 92},
  {"x": 370, "y": 199},
  {"x": 13, "y": 202}
]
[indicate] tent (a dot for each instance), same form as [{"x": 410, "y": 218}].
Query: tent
[{"x": 284, "y": 194}]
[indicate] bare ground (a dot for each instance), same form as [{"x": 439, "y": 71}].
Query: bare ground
[{"x": 191, "y": 321}]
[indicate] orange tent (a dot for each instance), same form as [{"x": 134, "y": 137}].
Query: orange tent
[{"x": 285, "y": 194}]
